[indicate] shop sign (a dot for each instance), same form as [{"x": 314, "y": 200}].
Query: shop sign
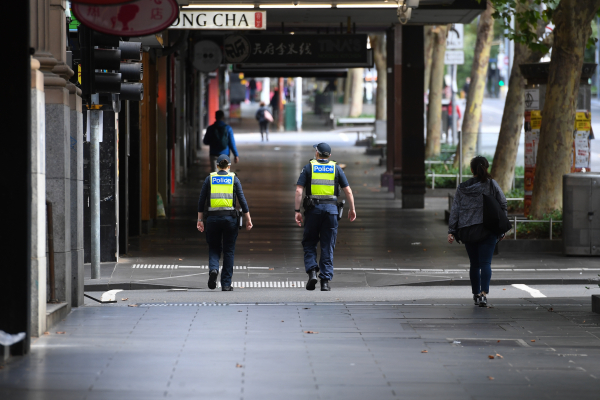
[
  {"x": 102, "y": 2},
  {"x": 221, "y": 20},
  {"x": 296, "y": 50},
  {"x": 141, "y": 18}
]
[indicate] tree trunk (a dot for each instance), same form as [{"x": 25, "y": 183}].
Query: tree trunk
[
  {"x": 434, "y": 110},
  {"x": 503, "y": 167},
  {"x": 572, "y": 21},
  {"x": 348, "y": 86},
  {"x": 379, "y": 54},
  {"x": 356, "y": 96},
  {"x": 481, "y": 58},
  {"x": 429, "y": 38}
]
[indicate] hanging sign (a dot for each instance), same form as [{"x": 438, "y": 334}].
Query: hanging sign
[
  {"x": 532, "y": 99},
  {"x": 454, "y": 57},
  {"x": 141, "y": 18},
  {"x": 102, "y": 2},
  {"x": 297, "y": 50},
  {"x": 221, "y": 20}
]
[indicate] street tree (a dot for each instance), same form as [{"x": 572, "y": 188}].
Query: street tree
[
  {"x": 428, "y": 44},
  {"x": 380, "y": 56},
  {"x": 572, "y": 32},
  {"x": 503, "y": 166},
  {"x": 436, "y": 86},
  {"x": 481, "y": 59}
]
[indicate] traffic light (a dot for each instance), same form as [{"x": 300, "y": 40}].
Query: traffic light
[{"x": 110, "y": 66}]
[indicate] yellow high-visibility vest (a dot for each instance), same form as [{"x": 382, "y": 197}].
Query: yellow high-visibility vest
[
  {"x": 322, "y": 182},
  {"x": 221, "y": 192}
]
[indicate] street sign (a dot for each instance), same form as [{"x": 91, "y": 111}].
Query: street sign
[
  {"x": 454, "y": 57},
  {"x": 221, "y": 20},
  {"x": 207, "y": 56},
  {"x": 455, "y": 41},
  {"x": 297, "y": 50},
  {"x": 144, "y": 17}
]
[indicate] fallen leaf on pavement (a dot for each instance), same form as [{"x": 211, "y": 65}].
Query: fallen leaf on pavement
[
  {"x": 270, "y": 269},
  {"x": 282, "y": 321},
  {"x": 239, "y": 310},
  {"x": 311, "y": 332},
  {"x": 503, "y": 289},
  {"x": 498, "y": 341},
  {"x": 491, "y": 357},
  {"x": 533, "y": 340},
  {"x": 125, "y": 299},
  {"x": 132, "y": 305},
  {"x": 60, "y": 333},
  {"x": 46, "y": 333},
  {"x": 238, "y": 365},
  {"x": 306, "y": 308},
  {"x": 424, "y": 351},
  {"x": 424, "y": 249},
  {"x": 498, "y": 355},
  {"x": 491, "y": 378}
]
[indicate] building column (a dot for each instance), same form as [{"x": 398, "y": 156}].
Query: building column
[
  {"x": 51, "y": 14},
  {"x": 391, "y": 177},
  {"x": 161, "y": 129},
  {"x": 38, "y": 202},
  {"x": 412, "y": 129},
  {"x": 76, "y": 200}
]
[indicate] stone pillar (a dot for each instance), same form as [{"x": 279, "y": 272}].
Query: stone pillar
[
  {"x": 38, "y": 202},
  {"x": 48, "y": 33},
  {"x": 391, "y": 177},
  {"x": 76, "y": 199}
]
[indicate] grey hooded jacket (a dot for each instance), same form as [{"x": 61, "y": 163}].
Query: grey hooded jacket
[{"x": 467, "y": 208}]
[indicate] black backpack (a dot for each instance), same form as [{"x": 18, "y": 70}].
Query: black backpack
[
  {"x": 494, "y": 217},
  {"x": 221, "y": 138}
]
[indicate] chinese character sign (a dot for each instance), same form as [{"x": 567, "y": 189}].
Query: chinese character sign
[{"x": 296, "y": 49}]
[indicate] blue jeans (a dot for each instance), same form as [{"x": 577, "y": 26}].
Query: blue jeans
[
  {"x": 319, "y": 227},
  {"x": 221, "y": 234},
  {"x": 480, "y": 256}
]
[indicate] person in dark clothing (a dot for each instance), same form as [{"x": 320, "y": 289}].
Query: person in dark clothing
[
  {"x": 262, "y": 116},
  {"x": 252, "y": 87},
  {"x": 219, "y": 136},
  {"x": 217, "y": 200},
  {"x": 275, "y": 99},
  {"x": 466, "y": 224}
]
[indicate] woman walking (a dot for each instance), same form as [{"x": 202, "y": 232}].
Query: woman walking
[
  {"x": 218, "y": 198},
  {"x": 263, "y": 116},
  {"x": 466, "y": 225}
]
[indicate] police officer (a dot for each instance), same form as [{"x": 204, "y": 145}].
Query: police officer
[
  {"x": 218, "y": 198},
  {"x": 322, "y": 179}
]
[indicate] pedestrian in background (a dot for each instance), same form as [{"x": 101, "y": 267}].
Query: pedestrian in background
[
  {"x": 275, "y": 99},
  {"x": 252, "y": 87},
  {"x": 263, "y": 116},
  {"x": 219, "y": 136},
  {"x": 217, "y": 201},
  {"x": 466, "y": 225}
]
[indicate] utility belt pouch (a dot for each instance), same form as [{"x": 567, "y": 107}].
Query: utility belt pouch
[
  {"x": 308, "y": 203},
  {"x": 340, "y": 207}
]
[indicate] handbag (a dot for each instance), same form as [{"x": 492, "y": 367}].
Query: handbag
[
  {"x": 268, "y": 116},
  {"x": 494, "y": 217}
]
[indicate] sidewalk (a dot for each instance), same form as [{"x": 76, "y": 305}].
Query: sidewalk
[
  {"x": 385, "y": 246},
  {"x": 421, "y": 349}
]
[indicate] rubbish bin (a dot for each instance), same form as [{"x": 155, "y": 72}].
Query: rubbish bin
[
  {"x": 581, "y": 214},
  {"x": 290, "y": 116}
]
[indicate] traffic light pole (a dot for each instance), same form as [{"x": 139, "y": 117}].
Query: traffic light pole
[{"x": 95, "y": 185}]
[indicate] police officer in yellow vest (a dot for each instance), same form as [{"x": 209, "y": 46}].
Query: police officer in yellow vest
[
  {"x": 217, "y": 201},
  {"x": 322, "y": 179}
]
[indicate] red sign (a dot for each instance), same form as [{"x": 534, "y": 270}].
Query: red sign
[
  {"x": 258, "y": 20},
  {"x": 102, "y": 2},
  {"x": 140, "y": 18}
]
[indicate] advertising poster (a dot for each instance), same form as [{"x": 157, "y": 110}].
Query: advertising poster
[
  {"x": 580, "y": 156},
  {"x": 533, "y": 123}
]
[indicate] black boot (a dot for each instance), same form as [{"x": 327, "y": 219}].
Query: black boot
[
  {"x": 312, "y": 279},
  {"x": 325, "y": 285},
  {"x": 212, "y": 278}
]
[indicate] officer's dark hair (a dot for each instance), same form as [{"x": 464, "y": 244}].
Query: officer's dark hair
[
  {"x": 223, "y": 164},
  {"x": 323, "y": 155},
  {"x": 219, "y": 115},
  {"x": 479, "y": 166}
]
